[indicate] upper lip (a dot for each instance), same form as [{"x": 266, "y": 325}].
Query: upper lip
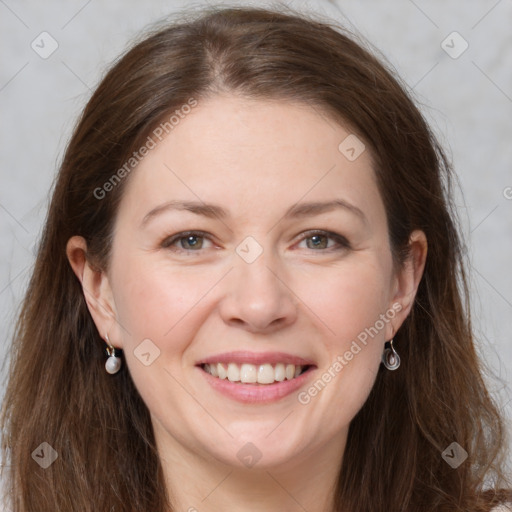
[{"x": 256, "y": 358}]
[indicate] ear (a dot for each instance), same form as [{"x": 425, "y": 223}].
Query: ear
[
  {"x": 407, "y": 281},
  {"x": 97, "y": 290}
]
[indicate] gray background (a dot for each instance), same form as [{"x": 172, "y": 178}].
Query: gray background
[{"x": 468, "y": 101}]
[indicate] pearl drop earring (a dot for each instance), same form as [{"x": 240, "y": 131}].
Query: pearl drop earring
[
  {"x": 113, "y": 363},
  {"x": 390, "y": 357}
]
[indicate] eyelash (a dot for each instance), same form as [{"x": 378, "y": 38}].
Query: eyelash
[{"x": 343, "y": 243}]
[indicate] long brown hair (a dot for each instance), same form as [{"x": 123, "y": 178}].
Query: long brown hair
[{"x": 58, "y": 391}]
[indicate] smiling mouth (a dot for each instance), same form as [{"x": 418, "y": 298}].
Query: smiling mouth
[{"x": 247, "y": 373}]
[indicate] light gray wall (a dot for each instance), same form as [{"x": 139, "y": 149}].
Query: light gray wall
[{"x": 468, "y": 99}]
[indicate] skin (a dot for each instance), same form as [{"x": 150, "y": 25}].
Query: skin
[{"x": 256, "y": 159}]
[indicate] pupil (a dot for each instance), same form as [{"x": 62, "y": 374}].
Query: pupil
[
  {"x": 317, "y": 240},
  {"x": 192, "y": 240}
]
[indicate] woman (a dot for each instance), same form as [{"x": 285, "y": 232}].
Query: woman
[{"x": 250, "y": 292}]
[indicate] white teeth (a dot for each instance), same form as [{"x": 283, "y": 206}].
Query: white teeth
[
  {"x": 248, "y": 373},
  {"x": 213, "y": 369},
  {"x": 233, "y": 372},
  {"x": 252, "y": 374},
  {"x": 266, "y": 374},
  {"x": 221, "y": 370},
  {"x": 280, "y": 372}
]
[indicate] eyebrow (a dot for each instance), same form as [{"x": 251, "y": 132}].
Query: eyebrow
[{"x": 215, "y": 211}]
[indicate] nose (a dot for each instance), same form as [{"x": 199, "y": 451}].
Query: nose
[{"x": 257, "y": 297}]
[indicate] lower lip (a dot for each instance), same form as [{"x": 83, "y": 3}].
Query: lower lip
[{"x": 256, "y": 393}]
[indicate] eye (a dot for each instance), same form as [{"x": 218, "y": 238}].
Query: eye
[
  {"x": 186, "y": 241},
  {"x": 319, "y": 240}
]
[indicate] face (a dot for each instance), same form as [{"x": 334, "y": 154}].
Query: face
[{"x": 248, "y": 237}]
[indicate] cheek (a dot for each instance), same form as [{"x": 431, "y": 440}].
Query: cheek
[
  {"x": 347, "y": 299},
  {"x": 163, "y": 303},
  {"x": 165, "y": 306},
  {"x": 350, "y": 304},
  {"x": 154, "y": 301}
]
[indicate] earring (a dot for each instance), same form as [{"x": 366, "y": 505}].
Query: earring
[
  {"x": 113, "y": 363},
  {"x": 390, "y": 358}
]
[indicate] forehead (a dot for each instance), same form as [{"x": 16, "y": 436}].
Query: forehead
[{"x": 253, "y": 155}]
